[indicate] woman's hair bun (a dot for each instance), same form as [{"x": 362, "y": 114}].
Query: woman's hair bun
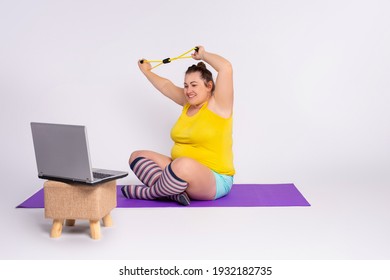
[{"x": 201, "y": 65}]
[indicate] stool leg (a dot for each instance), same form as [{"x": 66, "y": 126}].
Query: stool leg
[
  {"x": 107, "y": 220},
  {"x": 70, "y": 222},
  {"x": 94, "y": 226},
  {"x": 56, "y": 229}
]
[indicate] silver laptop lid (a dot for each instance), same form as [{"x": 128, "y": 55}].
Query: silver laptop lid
[{"x": 62, "y": 151}]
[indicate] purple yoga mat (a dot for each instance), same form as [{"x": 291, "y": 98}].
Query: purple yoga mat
[{"x": 241, "y": 195}]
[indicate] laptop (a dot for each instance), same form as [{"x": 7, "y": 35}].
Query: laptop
[{"x": 62, "y": 154}]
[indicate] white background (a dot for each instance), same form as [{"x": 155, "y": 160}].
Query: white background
[{"x": 312, "y": 100}]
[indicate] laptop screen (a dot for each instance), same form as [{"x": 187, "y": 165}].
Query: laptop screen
[{"x": 62, "y": 151}]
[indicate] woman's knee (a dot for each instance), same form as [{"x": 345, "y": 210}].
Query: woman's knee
[
  {"x": 200, "y": 179},
  {"x": 159, "y": 159},
  {"x": 136, "y": 154},
  {"x": 183, "y": 166}
]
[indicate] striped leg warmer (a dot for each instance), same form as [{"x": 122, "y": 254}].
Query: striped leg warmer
[
  {"x": 147, "y": 171},
  {"x": 167, "y": 185},
  {"x": 182, "y": 198}
]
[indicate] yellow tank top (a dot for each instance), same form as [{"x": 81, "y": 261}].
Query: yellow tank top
[{"x": 205, "y": 137}]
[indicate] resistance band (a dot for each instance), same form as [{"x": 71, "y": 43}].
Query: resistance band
[{"x": 168, "y": 60}]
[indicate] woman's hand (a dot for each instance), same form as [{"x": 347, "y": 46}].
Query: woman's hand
[
  {"x": 198, "y": 55},
  {"x": 144, "y": 66}
]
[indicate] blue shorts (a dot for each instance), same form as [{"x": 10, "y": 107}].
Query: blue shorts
[{"x": 223, "y": 183}]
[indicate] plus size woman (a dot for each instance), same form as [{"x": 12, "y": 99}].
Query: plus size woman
[{"x": 200, "y": 166}]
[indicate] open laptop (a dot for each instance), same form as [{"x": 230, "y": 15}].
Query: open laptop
[{"x": 62, "y": 154}]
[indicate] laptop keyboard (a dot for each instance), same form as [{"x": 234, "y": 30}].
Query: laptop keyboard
[{"x": 98, "y": 175}]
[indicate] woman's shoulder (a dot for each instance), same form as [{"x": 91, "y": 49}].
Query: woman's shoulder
[{"x": 219, "y": 110}]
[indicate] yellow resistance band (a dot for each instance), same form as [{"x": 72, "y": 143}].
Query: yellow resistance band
[{"x": 168, "y": 60}]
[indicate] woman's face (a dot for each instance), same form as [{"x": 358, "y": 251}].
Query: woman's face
[{"x": 195, "y": 90}]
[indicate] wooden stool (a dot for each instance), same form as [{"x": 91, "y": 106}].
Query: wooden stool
[{"x": 69, "y": 202}]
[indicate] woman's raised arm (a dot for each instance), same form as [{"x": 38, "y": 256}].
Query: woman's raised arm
[
  {"x": 223, "y": 93},
  {"x": 165, "y": 86}
]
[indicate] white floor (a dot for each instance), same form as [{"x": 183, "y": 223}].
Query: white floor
[{"x": 346, "y": 221}]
